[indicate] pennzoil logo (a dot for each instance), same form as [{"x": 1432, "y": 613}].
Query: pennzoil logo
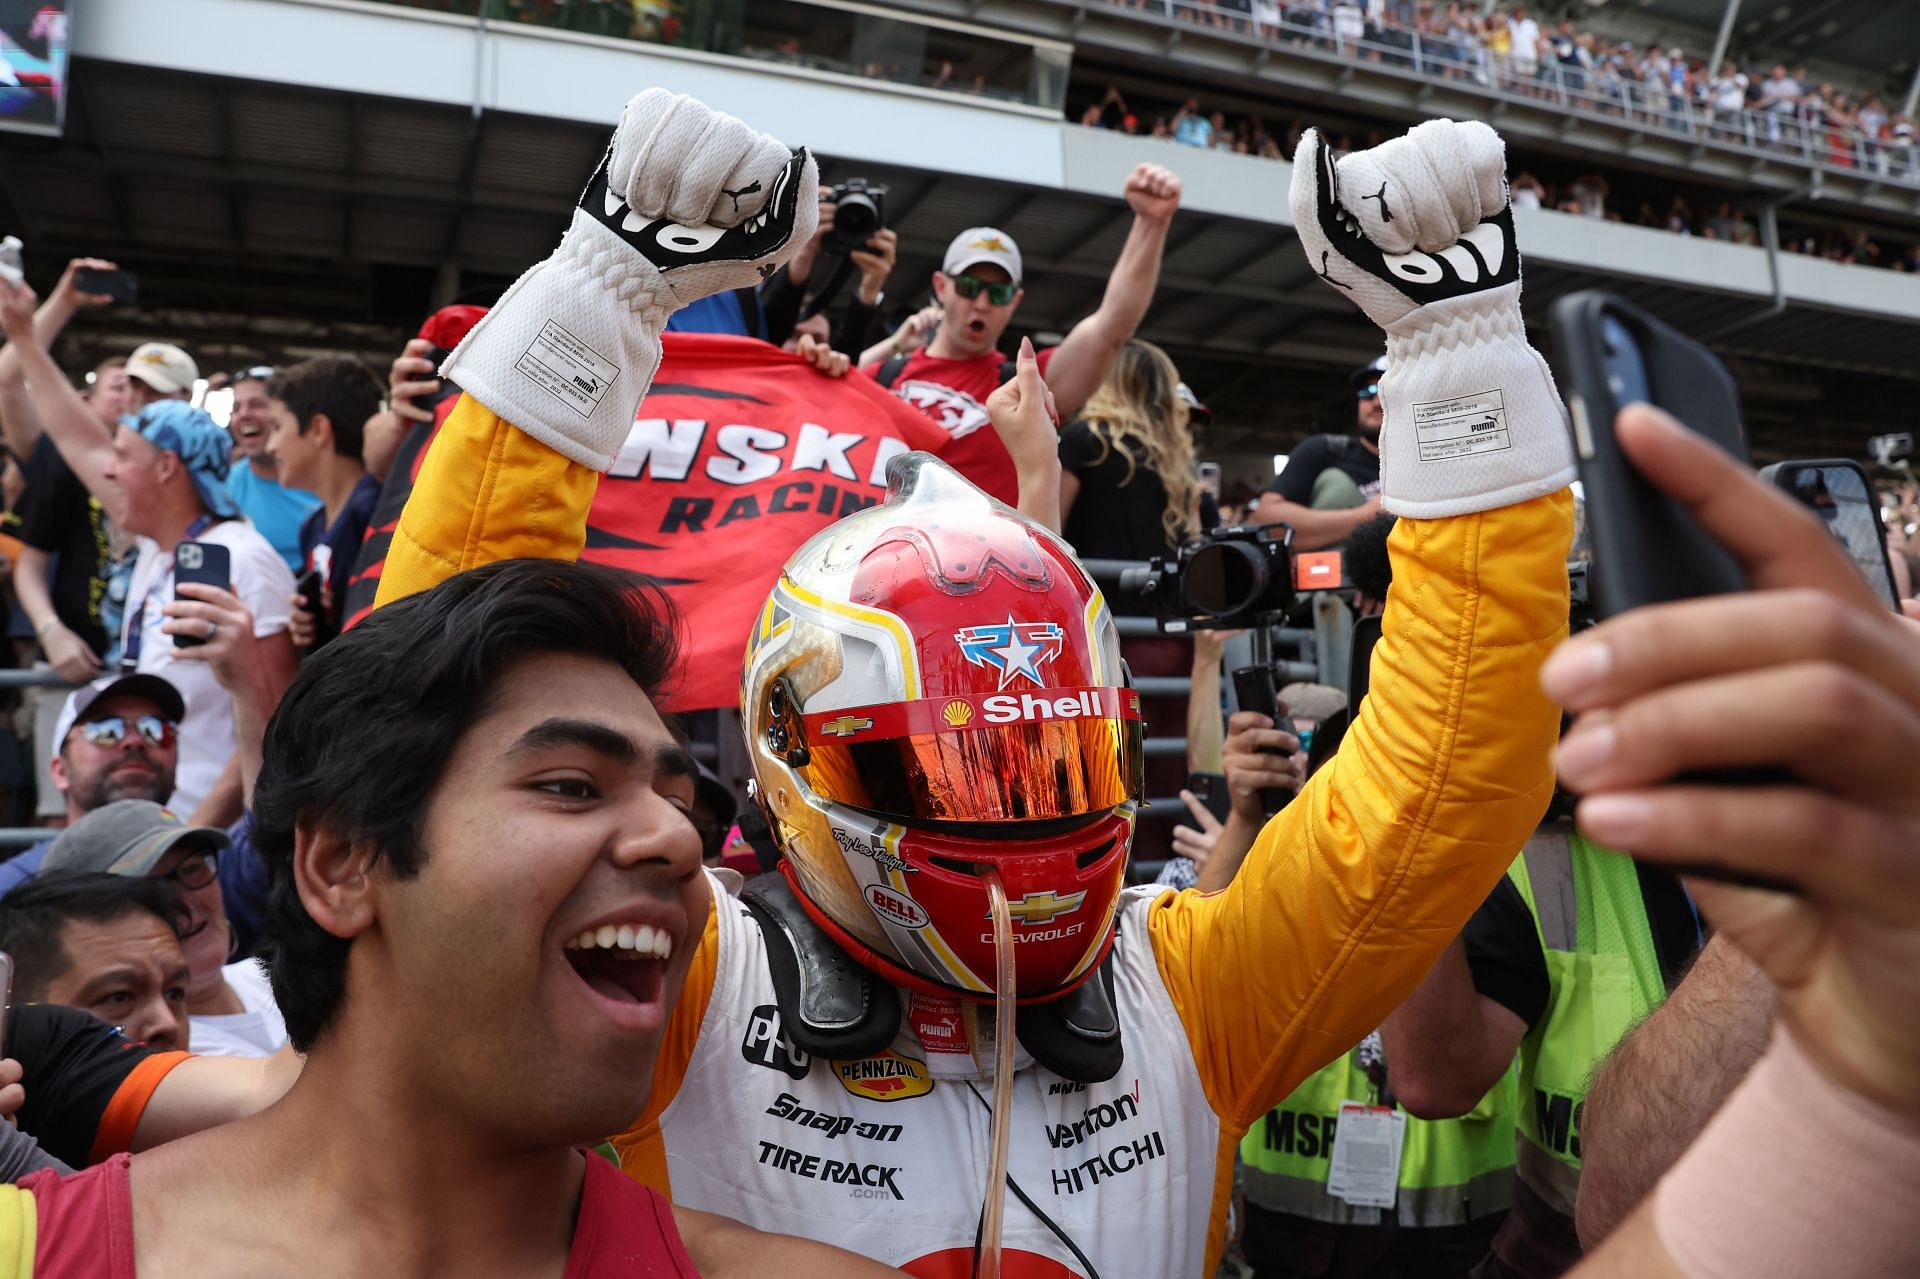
[
  {"x": 957, "y": 713},
  {"x": 846, "y": 726},
  {"x": 888, "y": 1077},
  {"x": 1043, "y": 908}
]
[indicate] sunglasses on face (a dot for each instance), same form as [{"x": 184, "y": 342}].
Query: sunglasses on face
[
  {"x": 258, "y": 373},
  {"x": 109, "y": 731},
  {"x": 969, "y": 286},
  {"x": 1371, "y": 391},
  {"x": 196, "y": 870}
]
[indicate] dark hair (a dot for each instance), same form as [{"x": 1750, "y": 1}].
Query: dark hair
[
  {"x": 338, "y": 386},
  {"x": 360, "y": 739},
  {"x": 1364, "y": 556},
  {"x": 34, "y": 915}
]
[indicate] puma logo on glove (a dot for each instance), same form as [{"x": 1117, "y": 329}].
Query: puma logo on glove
[
  {"x": 1427, "y": 250},
  {"x": 686, "y": 203}
]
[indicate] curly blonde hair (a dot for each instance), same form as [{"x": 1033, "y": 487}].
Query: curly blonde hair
[{"x": 1139, "y": 409}]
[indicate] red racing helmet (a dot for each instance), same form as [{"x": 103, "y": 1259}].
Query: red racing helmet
[{"x": 934, "y": 688}]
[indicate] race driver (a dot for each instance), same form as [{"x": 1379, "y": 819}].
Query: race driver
[{"x": 939, "y": 723}]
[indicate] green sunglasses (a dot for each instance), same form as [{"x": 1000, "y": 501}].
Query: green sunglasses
[{"x": 969, "y": 286}]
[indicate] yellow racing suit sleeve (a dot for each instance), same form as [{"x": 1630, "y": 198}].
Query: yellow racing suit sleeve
[
  {"x": 488, "y": 491},
  {"x": 1352, "y": 890}
]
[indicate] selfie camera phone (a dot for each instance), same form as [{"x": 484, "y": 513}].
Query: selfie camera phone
[
  {"x": 205, "y": 562},
  {"x": 1210, "y": 789},
  {"x": 1839, "y": 492},
  {"x": 121, "y": 286},
  {"x": 1647, "y": 549}
]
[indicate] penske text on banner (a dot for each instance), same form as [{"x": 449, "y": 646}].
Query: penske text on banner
[{"x": 739, "y": 453}]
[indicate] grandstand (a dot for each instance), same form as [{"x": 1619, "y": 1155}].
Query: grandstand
[{"x": 293, "y": 175}]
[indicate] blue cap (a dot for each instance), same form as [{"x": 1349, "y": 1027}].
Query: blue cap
[{"x": 201, "y": 444}]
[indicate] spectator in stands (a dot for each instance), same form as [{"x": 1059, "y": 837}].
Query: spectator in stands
[
  {"x": 1780, "y": 100},
  {"x": 318, "y": 410},
  {"x": 105, "y": 944},
  {"x": 785, "y": 296},
  {"x": 979, "y": 289},
  {"x": 1127, "y": 484},
  {"x": 1363, "y": 557},
  {"x": 1523, "y": 50},
  {"x": 166, "y": 468},
  {"x": 1331, "y": 483},
  {"x": 277, "y": 510},
  {"x": 1527, "y": 191},
  {"x": 116, "y": 738},
  {"x": 230, "y": 1005},
  {"x": 1728, "y": 94},
  {"x": 1191, "y": 127}
]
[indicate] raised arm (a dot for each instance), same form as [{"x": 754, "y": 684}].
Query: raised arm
[
  {"x": 1354, "y": 888},
  {"x": 1082, "y": 362},
  {"x": 1313, "y": 530},
  {"x": 85, "y": 444},
  {"x": 19, "y": 420}
]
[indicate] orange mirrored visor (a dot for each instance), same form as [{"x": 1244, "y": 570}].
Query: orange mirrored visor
[{"x": 1049, "y": 753}]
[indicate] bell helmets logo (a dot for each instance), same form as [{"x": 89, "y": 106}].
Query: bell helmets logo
[
  {"x": 888, "y": 1077},
  {"x": 846, "y": 726},
  {"x": 1043, "y": 908},
  {"x": 1015, "y": 650},
  {"x": 895, "y": 907},
  {"x": 957, "y": 713}
]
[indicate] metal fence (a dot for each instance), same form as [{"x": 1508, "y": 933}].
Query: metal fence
[{"x": 1602, "y": 93}]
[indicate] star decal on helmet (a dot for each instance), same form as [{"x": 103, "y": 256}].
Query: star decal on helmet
[{"x": 1014, "y": 649}]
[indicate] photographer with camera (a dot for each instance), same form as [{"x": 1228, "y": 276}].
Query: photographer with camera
[
  {"x": 853, "y": 236},
  {"x": 1331, "y": 483}
]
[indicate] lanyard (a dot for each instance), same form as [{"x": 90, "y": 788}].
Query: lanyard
[{"x": 130, "y": 649}]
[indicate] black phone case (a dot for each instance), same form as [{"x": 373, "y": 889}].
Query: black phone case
[
  {"x": 1211, "y": 790},
  {"x": 207, "y": 563},
  {"x": 1646, "y": 548},
  {"x": 121, "y": 286}
]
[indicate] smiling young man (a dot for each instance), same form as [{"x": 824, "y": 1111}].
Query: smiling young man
[
  {"x": 482, "y": 877},
  {"x": 277, "y": 506}
]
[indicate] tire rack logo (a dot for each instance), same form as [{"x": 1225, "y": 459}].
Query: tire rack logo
[
  {"x": 765, "y": 1045},
  {"x": 1014, "y": 650},
  {"x": 895, "y": 907},
  {"x": 888, "y": 1077},
  {"x": 846, "y": 726}
]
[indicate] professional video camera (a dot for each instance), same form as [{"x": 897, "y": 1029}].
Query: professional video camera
[
  {"x": 859, "y": 211},
  {"x": 1230, "y": 577}
]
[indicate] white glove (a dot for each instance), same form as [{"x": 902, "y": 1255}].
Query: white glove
[
  {"x": 1418, "y": 232},
  {"x": 687, "y": 202}
]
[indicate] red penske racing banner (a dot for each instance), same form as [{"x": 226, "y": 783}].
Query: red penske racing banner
[
  {"x": 965, "y": 711},
  {"x": 738, "y": 454}
]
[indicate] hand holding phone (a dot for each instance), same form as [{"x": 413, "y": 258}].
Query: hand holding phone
[
  {"x": 117, "y": 286},
  {"x": 208, "y": 563}
]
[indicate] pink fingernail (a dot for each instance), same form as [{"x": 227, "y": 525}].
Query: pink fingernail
[
  {"x": 1615, "y": 819},
  {"x": 1575, "y": 669}
]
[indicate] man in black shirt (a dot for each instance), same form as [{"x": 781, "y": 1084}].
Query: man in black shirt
[{"x": 1331, "y": 483}]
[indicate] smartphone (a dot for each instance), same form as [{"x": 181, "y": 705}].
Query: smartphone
[
  {"x": 1838, "y": 491},
  {"x": 1210, "y": 479},
  {"x": 204, "y": 562},
  {"x": 309, "y": 590},
  {"x": 121, "y": 286},
  {"x": 1889, "y": 449},
  {"x": 1210, "y": 789},
  {"x": 1646, "y": 548},
  {"x": 12, "y": 269}
]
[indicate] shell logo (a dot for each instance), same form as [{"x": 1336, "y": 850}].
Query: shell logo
[{"x": 957, "y": 713}]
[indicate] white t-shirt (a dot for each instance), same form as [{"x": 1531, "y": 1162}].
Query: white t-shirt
[
  {"x": 257, "y": 1032},
  {"x": 263, "y": 583},
  {"x": 1523, "y": 40},
  {"x": 1729, "y": 93}
]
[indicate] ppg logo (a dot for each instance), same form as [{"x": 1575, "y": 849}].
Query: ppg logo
[
  {"x": 191, "y": 556},
  {"x": 764, "y": 1045}
]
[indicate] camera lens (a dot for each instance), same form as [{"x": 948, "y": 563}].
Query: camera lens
[
  {"x": 1224, "y": 578},
  {"x": 855, "y": 218}
]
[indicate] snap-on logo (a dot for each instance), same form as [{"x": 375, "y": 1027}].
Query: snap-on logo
[{"x": 895, "y": 907}]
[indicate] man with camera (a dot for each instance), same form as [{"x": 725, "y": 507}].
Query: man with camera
[
  {"x": 853, "y": 237},
  {"x": 1331, "y": 483},
  {"x": 978, "y": 288}
]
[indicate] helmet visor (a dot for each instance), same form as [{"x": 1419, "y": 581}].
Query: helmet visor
[{"x": 1059, "y": 752}]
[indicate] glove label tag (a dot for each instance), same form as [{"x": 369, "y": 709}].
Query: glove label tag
[
  {"x": 1465, "y": 426},
  {"x": 561, "y": 363}
]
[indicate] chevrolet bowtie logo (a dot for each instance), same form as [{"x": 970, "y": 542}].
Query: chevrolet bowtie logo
[
  {"x": 845, "y": 726},
  {"x": 1042, "y": 908}
]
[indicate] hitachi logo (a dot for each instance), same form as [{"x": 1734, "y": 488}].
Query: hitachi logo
[{"x": 1005, "y": 708}]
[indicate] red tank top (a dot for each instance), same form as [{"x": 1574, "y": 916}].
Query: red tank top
[{"x": 624, "y": 1230}]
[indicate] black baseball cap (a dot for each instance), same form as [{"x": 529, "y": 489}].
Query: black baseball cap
[{"x": 1368, "y": 374}]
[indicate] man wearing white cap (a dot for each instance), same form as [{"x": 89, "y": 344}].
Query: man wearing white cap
[
  {"x": 978, "y": 288},
  {"x": 160, "y": 371}
]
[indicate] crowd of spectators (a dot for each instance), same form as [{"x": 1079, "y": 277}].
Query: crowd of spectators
[
  {"x": 1512, "y": 49},
  {"x": 1587, "y": 194}
]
